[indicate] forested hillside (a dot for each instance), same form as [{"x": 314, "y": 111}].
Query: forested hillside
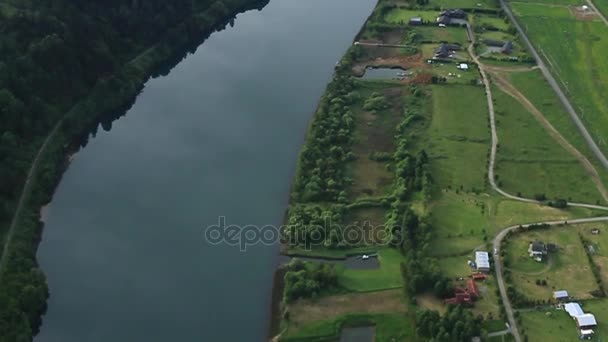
[{"x": 64, "y": 64}]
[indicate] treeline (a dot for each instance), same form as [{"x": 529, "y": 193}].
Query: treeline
[
  {"x": 73, "y": 61},
  {"x": 309, "y": 225},
  {"x": 308, "y": 279},
  {"x": 321, "y": 174},
  {"x": 458, "y": 324}
]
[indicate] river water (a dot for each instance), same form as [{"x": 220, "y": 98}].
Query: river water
[{"x": 123, "y": 246}]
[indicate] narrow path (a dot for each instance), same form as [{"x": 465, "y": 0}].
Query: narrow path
[
  {"x": 600, "y": 14},
  {"x": 556, "y": 88},
  {"x": 499, "y": 333},
  {"x": 384, "y": 45},
  {"x": 509, "y": 89},
  {"x": 24, "y": 195}
]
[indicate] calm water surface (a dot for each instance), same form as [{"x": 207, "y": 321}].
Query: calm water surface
[{"x": 124, "y": 247}]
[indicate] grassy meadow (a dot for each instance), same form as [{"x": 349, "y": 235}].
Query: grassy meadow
[
  {"x": 530, "y": 161},
  {"x": 567, "y": 268},
  {"x": 575, "y": 51}
]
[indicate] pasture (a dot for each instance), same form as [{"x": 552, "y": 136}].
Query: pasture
[
  {"x": 567, "y": 268},
  {"x": 549, "y": 324},
  {"x": 388, "y": 276},
  {"x": 575, "y": 51},
  {"x": 458, "y": 132},
  {"x": 538, "y": 91},
  {"x": 457, "y": 35},
  {"x": 530, "y": 161}
]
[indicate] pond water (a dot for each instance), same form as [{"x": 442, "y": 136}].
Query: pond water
[
  {"x": 358, "y": 334},
  {"x": 385, "y": 74}
]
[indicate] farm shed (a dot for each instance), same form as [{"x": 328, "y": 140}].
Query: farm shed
[
  {"x": 415, "y": 21},
  {"x": 560, "y": 295},
  {"x": 573, "y": 309},
  {"x": 585, "y": 321},
  {"x": 482, "y": 260}
]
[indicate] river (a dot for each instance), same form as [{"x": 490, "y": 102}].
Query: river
[{"x": 123, "y": 246}]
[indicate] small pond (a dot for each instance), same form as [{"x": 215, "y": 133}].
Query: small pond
[
  {"x": 359, "y": 334},
  {"x": 385, "y": 74},
  {"x": 351, "y": 262}
]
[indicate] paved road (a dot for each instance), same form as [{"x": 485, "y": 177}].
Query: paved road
[
  {"x": 541, "y": 64},
  {"x": 600, "y": 14}
]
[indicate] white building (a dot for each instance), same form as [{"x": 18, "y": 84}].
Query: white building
[{"x": 482, "y": 261}]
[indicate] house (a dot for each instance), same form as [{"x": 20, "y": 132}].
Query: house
[
  {"x": 482, "y": 261},
  {"x": 454, "y": 13},
  {"x": 560, "y": 296},
  {"x": 573, "y": 309},
  {"x": 478, "y": 276},
  {"x": 507, "y": 48},
  {"x": 537, "y": 250},
  {"x": 443, "y": 20},
  {"x": 466, "y": 295},
  {"x": 493, "y": 42},
  {"x": 416, "y": 21}
]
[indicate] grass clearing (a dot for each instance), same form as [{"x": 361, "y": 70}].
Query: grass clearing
[
  {"x": 575, "y": 51},
  {"x": 403, "y": 16},
  {"x": 306, "y": 311},
  {"x": 458, "y": 131},
  {"x": 457, "y": 35},
  {"x": 388, "y": 276},
  {"x": 531, "y": 162},
  {"x": 389, "y": 327},
  {"x": 567, "y": 268}
]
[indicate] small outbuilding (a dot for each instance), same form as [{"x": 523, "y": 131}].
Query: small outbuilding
[
  {"x": 416, "y": 21},
  {"x": 482, "y": 261},
  {"x": 463, "y": 66},
  {"x": 507, "y": 47},
  {"x": 560, "y": 296}
]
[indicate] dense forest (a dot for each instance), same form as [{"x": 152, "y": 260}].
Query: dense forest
[{"x": 65, "y": 65}]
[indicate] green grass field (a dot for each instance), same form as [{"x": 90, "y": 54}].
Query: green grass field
[
  {"x": 437, "y": 34},
  {"x": 386, "y": 277},
  {"x": 485, "y": 4},
  {"x": 497, "y": 22},
  {"x": 462, "y": 220},
  {"x": 402, "y": 15},
  {"x": 531, "y": 162},
  {"x": 537, "y": 90},
  {"x": 575, "y": 51},
  {"x": 388, "y": 327},
  {"x": 556, "y": 325},
  {"x": 458, "y": 131},
  {"x": 565, "y": 269}
]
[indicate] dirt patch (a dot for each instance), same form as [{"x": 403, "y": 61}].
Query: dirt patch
[
  {"x": 430, "y": 302},
  {"x": 306, "y": 311},
  {"x": 387, "y": 57},
  {"x": 583, "y": 13}
]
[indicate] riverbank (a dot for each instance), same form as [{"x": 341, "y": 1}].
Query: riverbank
[{"x": 108, "y": 100}]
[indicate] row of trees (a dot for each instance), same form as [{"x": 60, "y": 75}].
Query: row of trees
[
  {"x": 314, "y": 225},
  {"x": 321, "y": 175},
  {"x": 55, "y": 54},
  {"x": 308, "y": 279},
  {"x": 458, "y": 324}
]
